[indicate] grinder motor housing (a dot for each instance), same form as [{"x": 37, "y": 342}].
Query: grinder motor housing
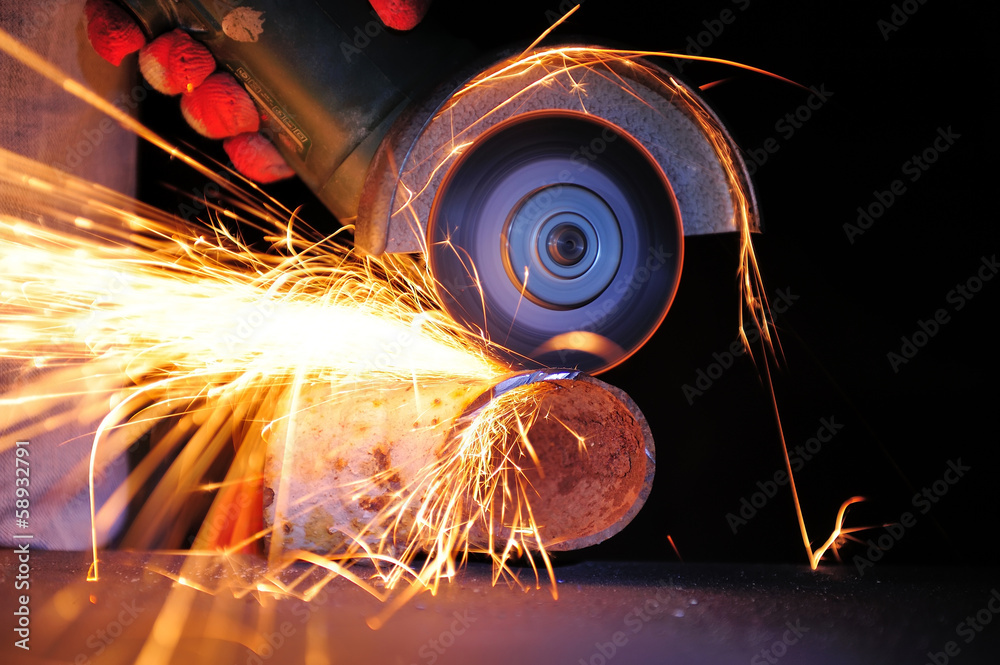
[{"x": 550, "y": 193}]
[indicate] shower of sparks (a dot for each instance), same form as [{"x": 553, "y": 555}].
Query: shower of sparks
[
  {"x": 155, "y": 323},
  {"x": 128, "y": 313},
  {"x": 476, "y": 500},
  {"x": 151, "y": 318},
  {"x": 537, "y": 71}
]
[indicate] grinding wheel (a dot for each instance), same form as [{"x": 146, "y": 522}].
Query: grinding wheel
[
  {"x": 551, "y": 194},
  {"x": 549, "y": 190},
  {"x": 561, "y": 260}
]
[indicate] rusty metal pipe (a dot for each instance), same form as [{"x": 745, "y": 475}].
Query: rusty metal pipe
[{"x": 358, "y": 468}]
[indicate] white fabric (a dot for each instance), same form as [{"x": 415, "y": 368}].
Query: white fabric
[{"x": 41, "y": 121}]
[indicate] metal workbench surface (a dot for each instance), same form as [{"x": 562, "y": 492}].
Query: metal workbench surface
[{"x": 621, "y": 612}]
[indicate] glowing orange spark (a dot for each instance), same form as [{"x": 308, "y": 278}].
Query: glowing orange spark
[{"x": 674, "y": 547}]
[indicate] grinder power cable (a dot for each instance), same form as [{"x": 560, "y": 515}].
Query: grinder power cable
[{"x": 549, "y": 190}]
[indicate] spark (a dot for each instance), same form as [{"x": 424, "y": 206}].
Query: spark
[
  {"x": 673, "y": 546},
  {"x": 191, "y": 316},
  {"x": 548, "y": 31}
]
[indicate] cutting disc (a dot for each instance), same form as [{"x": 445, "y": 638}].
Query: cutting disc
[
  {"x": 557, "y": 236},
  {"x": 550, "y": 194}
]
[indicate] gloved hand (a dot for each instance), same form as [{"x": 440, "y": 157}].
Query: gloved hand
[{"x": 212, "y": 102}]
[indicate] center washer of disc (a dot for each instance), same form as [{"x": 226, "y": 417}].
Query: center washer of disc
[{"x": 562, "y": 246}]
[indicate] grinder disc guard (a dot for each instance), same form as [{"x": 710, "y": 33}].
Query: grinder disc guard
[
  {"x": 558, "y": 237},
  {"x": 550, "y": 194}
]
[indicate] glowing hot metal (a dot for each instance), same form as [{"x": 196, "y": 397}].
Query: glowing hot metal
[{"x": 548, "y": 460}]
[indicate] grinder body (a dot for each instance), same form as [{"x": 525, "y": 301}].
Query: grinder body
[
  {"x": 328, "y": 76},
  {"x": 549, "y": 191}
]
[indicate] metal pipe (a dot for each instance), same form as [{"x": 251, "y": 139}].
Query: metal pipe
[{"x": 370, "y": 466}]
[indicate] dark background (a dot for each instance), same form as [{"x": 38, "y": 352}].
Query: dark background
[{"x": 853, "y": 302}]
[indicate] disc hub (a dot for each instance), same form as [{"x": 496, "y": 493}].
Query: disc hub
[{"x": 563, "y": 246}]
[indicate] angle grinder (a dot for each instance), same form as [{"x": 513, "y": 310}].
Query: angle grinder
[{"x": 549, "y": 190}]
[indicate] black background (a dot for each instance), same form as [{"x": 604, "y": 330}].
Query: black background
[{"x": 853, "y": 302}]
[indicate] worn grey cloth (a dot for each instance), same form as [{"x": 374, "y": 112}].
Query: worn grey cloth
[{"x": 41, "y": 121}]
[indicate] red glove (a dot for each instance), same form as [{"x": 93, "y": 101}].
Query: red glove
[
  {"x": 213, "y": 103},
  {"x": 400, "y": 14}
]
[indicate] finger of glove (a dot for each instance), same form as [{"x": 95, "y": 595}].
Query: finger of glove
[
  {"x": 111, "y": 30},
  {"x": 256, "y": 158},
  {"x": 215, "y": 105},
  {"x": 175, "y": 62},
  {"x": 401, "y": 14},
  {"x": 220, "y": 107}
]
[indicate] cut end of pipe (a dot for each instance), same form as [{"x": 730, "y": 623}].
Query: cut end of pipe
[{"x": 595, "y": 463}]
